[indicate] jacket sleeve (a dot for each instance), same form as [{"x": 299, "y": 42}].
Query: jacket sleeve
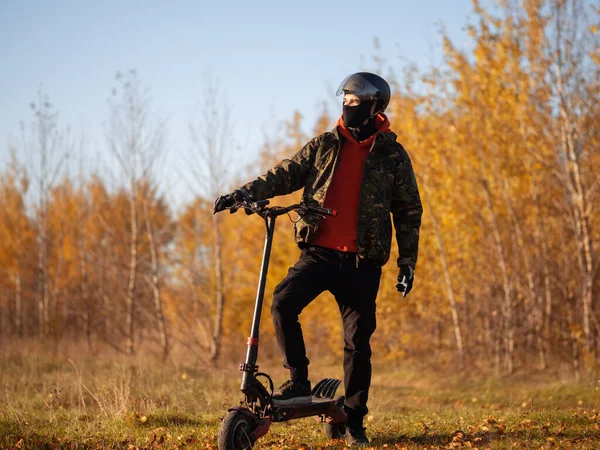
[
  {"x": 287, "y": 176},
  {"x": 406, "y": 211}
]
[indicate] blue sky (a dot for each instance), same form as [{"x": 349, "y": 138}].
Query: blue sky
[{"x": 270, "y": 57}]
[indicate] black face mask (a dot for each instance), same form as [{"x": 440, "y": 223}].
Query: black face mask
[{"x": 354, "y": 116}]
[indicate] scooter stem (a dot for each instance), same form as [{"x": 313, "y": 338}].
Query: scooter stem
[{"x": 252, "y": 354}]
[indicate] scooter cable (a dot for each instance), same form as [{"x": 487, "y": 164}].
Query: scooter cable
[{"x": 271, "y": 385}]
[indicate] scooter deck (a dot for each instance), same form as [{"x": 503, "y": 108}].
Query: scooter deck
[
  {"x": 295, "y": 408},
  {"x": 302, "y": 401}
]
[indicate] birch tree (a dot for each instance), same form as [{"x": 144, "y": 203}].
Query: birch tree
[
  {"x": 570, "y": 48},
  {"x": 212, "y": 144},
  {"x": 135, "y": 142},
  {"x": 46, "y": 149}
]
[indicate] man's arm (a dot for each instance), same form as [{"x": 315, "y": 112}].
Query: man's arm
[
  {"x": 406, "y": 211},
  {"x": 287, "y": 176}
]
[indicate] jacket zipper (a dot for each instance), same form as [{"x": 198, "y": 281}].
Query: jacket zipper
[
  {"x": 336, "y": 163},
  {"x": 360, "y": 195}
]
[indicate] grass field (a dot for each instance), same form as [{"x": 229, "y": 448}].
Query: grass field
[{"x": 63, "y": 402}]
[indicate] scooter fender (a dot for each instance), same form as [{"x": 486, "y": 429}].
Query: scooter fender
[
  {"x": 335, "y": 413},
  {"x": 262, "y": 425},
  {"x": 244, "y": 411},
  {"x": 262, "y": 428}
]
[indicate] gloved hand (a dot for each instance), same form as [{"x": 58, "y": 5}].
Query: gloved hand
[
  {"x": 228, "y": 200},
  {"x": 405, "y": 280}
]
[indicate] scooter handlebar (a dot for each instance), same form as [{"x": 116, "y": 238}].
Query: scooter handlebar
[{"x": 260, "y": 207}]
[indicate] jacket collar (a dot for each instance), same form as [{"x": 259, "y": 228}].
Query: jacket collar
[{"x": 386, "y": 137}]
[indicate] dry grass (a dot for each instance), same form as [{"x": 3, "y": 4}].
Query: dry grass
[{"x": 70, "y": 401}]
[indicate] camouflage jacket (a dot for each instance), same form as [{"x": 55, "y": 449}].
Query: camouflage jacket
[{"x": 388, "y": 186}]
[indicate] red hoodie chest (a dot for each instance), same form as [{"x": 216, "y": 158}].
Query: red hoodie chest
[{"x": 343, "y": 194}]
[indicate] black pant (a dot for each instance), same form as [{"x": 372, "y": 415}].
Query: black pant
[{"x": 355, "y": 289}]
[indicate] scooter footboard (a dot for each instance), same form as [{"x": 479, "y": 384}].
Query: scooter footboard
[{"x": 328, "y": 410}]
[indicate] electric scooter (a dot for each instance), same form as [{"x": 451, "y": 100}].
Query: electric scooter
[{"x": 244, "y": 424}]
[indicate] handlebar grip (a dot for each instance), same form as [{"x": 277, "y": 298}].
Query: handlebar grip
[
  {"x": 325, "y": 211},
  {"x": 260, "y": 203}
]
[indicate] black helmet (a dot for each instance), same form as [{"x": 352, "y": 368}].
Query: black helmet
[{"x": 367, "y": 86}]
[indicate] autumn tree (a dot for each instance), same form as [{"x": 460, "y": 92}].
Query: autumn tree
[{"x": 17, "y": 245}]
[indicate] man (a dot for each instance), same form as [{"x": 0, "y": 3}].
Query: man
[{"x": 359, "y": 169}]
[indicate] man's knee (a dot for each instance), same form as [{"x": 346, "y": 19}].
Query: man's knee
[
  {"x": 357, "y": 341},
  {"x": 276, "y": 310},
  {"x": 358, "y": 332},
  {"x": 281, "y": 310},
  {"x": 361, "y": 351}
]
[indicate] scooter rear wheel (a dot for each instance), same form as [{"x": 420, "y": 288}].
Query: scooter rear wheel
[
  {"x": 335, "y": 430},
  {"x": 235, "y": 431}
]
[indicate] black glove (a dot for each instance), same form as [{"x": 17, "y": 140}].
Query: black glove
[
  {"x": 405, "y": 280},
  {"x": 228, "y": 200}
]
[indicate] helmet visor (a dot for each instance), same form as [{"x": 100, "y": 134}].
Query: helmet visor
[{"x": 359, "y": 86}]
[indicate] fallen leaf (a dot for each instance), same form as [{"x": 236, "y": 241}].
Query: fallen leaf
[{"x": 459, "y": 436}]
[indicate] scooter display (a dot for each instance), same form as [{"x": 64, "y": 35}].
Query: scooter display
[{"x": 244, "y": 424}]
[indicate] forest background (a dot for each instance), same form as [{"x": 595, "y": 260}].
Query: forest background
[{"x": 505, "y": 142}]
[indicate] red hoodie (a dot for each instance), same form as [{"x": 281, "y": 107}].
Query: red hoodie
[{"x": 339, "y": 232}]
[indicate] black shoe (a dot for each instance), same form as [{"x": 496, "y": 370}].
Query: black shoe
[
  {"x": 357, "y": 437},
  {"x": 293, "y": 389}
]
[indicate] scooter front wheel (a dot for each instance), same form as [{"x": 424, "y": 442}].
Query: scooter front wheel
[
  {"x": 235, "y": 432},
  {"x": 335, "y": 430}
]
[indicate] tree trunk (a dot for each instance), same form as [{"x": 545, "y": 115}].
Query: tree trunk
[
  {"x": 548, "y": 311},
  {"x": 220, "y": 296},
  {"x": 102, "y": 291},
  {"x": 201, "y": 307},
  {"x": 470, "y": 328},
  {"x": 85, "y": 295},
  {"x": 155, "y": 281},
  {"x": 133, "y": 261},
  {"x": 18, "y": 304},
  {"x": 566, "y": 70},
  {"x": 581, "y": 212},
  {"x": 56, "y": 293},
  {"x": 509, "y": 331},
  {"x": 546, "y": 301},
  {"x": 576, "y": 358},
  {"x": 447, "y": 277},
  {"x": 535, "y": 305},
  {"x": 42, "y": 268},
  {"x": 19, "y": 282},
  {"x": 498, "y": 352}
]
